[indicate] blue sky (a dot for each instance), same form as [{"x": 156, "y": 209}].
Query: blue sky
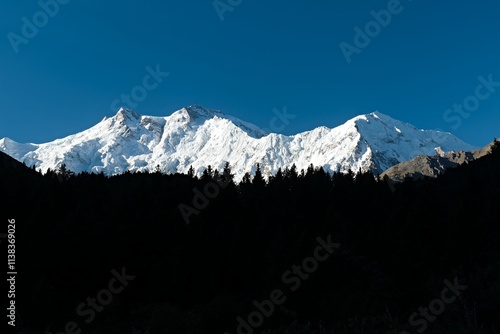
[{"x": 263, "y": 55}]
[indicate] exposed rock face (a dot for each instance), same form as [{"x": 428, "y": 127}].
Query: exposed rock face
[{"x": 432, "y": 166}]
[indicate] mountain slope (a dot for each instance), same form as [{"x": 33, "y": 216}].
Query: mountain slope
[
  {"x": 432, "y": 166},
  {"x": 200, "y": 137},
  {"x": 8, "y": 165}
]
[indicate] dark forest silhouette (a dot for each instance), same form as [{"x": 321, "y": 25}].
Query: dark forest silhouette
[{"x": 396, "y": 249}]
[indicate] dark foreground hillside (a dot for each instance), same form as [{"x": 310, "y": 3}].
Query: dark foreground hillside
[{"x": 304, "y": 253}]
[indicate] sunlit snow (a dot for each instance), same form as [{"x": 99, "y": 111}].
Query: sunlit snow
[{"x": 200, "y": 137}]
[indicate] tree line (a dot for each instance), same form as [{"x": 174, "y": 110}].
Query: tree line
[{"x": 396, "y": 248}]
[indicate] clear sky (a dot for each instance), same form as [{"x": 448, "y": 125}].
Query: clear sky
[{"x": 262, "y": 55}]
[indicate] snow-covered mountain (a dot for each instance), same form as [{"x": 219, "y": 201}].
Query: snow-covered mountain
[{"x": 200, "y": 137}]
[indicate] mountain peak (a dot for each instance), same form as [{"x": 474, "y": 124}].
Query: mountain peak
[
  {"x": 374, "y": 116},
  {"x": 198, "y": 115},
  {"x": 125, "y": 113},
  {"x": 15, "y": 149},
  {"x": 196, "y": 111},
  {"x": 378, "y": 115}
]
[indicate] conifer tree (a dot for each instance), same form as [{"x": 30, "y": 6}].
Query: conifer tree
[
  {"x": 190, "y": 172},
  {"x": 258, "y": 179}
]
